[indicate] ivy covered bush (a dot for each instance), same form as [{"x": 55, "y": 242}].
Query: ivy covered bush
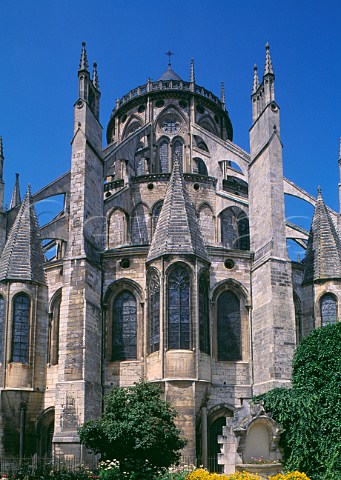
[{"x": 310, "y": 412}]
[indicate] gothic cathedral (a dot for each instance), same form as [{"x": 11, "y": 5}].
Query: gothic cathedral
[{"x": 168, "y": 263}]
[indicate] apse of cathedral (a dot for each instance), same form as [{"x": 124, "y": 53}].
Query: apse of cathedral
[{"x": 169, "y": 264}]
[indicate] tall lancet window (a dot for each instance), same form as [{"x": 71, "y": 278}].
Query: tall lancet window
[
  {"x": 328, "y": 309},
  {"x": 124, "y": 327},
  {"x": 178, "y": 151},
  {"x": 229, "y": 327},
  {"x": 2, "y": 323},
  {"x": 163, "y": 156},
  {"x": 179, "y": 308},
  {"x": 154, "y": 312},
  {"x": 53, "y": 357},
  {"x": 204, "y": 326},
  {"x": 20, "y": 328}
]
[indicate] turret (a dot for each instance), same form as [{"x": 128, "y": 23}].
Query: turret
[{"x": 88, "y": 90}]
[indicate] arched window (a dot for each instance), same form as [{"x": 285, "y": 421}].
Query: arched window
[
  {"x": 132, "y": 128},
  {"x": 298, "y": 318},
  {"x": 2, "y": 323},
  {"x": 154, "y": 312},
  {"x": 204, "y": 326},
  {"x": 178, "y": 151},
  {"x": 140, "y": 225},
  {"x": 117, "y": 229},
  {"x": 179, "y": 308},
  {"x": 228, "y": 327},
  {"x": 53, "y": 354},
  {"x": 124, "y": 327},
  {"x": 206, "y": 224},
  {"x": 201, "y": 166},
  {"x": 328, "y": 309},
  {"x": 156, "y": 214},
  {"x": 235, "y": 229},
  {"x": 21, "y": 328},
  {"x": 163, "y": 157}
]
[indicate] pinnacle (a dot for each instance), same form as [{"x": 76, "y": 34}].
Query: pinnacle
[
  {"x": 16, "y": 197},
  {"x": 255, "y": 79},
  {"x": 83, "y": 64},
  {"x": 268, "y": 69},
  {"x": 1, "y": 148},
  {"x": 222, "y": 92},
  {"x": 95, "y": 77},
  {"x": 192, "y": 73}
]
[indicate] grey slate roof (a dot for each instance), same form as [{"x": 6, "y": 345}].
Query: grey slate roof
[
  {"x": 177, "y": 230},
  {"x": 22, "y": 257},
  {"x": 169, "y": 75},
  {"x": 323, "y": 256}
]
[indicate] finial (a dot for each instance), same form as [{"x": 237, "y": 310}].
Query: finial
[
  {"x": 192, "y": 74},
  {"x": 1, "y": 148},
  {"x": 28, "y": 191},
  {"x": 319, "y": 191},
  {"x": 169, "y": 54},
  {"x": 83, "y": 64},
  {"x": 255, "y": 79},
  {"x": 95, "y": 81},
  {"x": 340, "y": 150},
  {"x": 222, "y": 98},
  {"x": 268, "y": 62}
]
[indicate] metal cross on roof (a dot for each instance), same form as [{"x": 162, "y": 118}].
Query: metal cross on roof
[{"x": 169, "y": 54}]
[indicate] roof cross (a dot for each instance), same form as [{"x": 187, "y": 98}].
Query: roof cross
[{"x": 169, "y": 54}]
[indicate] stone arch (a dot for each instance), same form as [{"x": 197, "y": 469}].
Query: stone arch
[
  {"x": 260, "y": 438},
  {"x": 132, "y": 126},
  {"x": 216, "y": 420},
  {"x": 163, "y": 146},
  {"x": 156, "y": 210},
  {"x": 140, "y": 225},
  {"x": 153, "y": 308},
  {"x": 178, "y": 150},
  {"x": 200, "y": 166},
  {"x": 230, "y": 321},
  {"x": 207, "y": 223},
  {"x": 200, "y": 143},
  {"x": 44, "y": 429},
  {"x": 170, "y": 110},
  {"x": 54, "y": 325},
  {"x": 117, "y": 228},
  {"x": 328, "y": 307},
  {"x": 112, "y": 293},
  {"x": 21, "y": 323},
  {"x": 234, "y": 228},
  {"x": 208, "y": 124}
]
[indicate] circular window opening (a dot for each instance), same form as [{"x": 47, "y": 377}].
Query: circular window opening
[
  {"x": 200, "y": 109},
  {"x": 159, "y": 103},
  {"x": 141, "y": 109},
  {"x": 229, "y": 263},
  {"x": 182, "y": 104},
  {"x": 196, "y": 186},
  {"x": 108, "y": 194},
  {"x": 125, "y": 263},
  {"x": 124, "y": 118},
  {"x": 150, "y": 186},
  {"x": 274, "y": 107}
]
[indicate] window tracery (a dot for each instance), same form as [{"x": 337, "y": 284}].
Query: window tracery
[
  {"x": 229, "y": 327},
  {"x": 204, "y": 327},
  {"x": 124, "y": 327},
  {"x": 20, "y": 328},
  {"x": 154, "y": 312},
  {"x": 163, "y": 156},
  {"x": 328, "y": 309},
  {"x": 179, "y": 308}
]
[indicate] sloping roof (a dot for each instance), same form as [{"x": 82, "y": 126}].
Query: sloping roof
[
  {"x": 169, "y": 75},
  {"x": 323, "y": 255},
  {"x": 22, "y": 257},
  {"x": 177, "y": 230}
]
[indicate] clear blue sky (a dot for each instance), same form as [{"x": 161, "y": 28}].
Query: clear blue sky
[{"x": 40, "y": 49}]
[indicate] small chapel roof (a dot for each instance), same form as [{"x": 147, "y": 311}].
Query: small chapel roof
[
  {"x": 22, "y": 257},
  {"x": 323, "y": 256},
  {"x": 177, "y": 230},
  {"x": 169, "y": 74}
]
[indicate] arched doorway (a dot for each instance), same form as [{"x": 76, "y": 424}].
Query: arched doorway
[{"x": 45, "y": 431}]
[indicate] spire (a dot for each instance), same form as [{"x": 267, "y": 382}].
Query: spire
[
  {"x": 16, "y": 197},
  {"x": 192, "y": 73},
  {"x": 83, "y": 64},
  {"x": 222, "y": 98},
  {"x": 323, "y": 255},
  {"x": 95, "y": 81},
  {"x": 255, "y": 79},
  {"x": 1, "y": 148},
  {"x": 268, "y": 69},
  {"x": 2, "y": 158},
  {"x": 177, "y": 230},
  {"x": 22, "y": 258}
]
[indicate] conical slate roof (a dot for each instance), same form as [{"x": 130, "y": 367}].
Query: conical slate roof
[
  {"x": 22, "y": 257},
  {"x": 169, "y": 74},
  {"x": 177, "y": 230},
  {"x": 323, "y": 256}
]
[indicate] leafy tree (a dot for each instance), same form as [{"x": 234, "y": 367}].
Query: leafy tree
[
  {"x": 310, "y": 412},
  {"x": 137, "y": 428}
]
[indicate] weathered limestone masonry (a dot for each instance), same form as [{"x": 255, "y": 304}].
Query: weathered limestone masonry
[
  {"x": 273, "y": 314},
  {"x": 167, "y": 262}
]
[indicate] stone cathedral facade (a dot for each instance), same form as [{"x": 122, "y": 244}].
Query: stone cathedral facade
[{"x": 168, "y": 263}]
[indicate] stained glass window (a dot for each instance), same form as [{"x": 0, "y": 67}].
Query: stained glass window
[
  {"x": 204, "y": 328},
  {"x": 156, "y": 214},
  {"x": 53, "y": 356},
  {"x": 2, "y": 322},
  {"x": 235, "y": 229},
  {"x": 140, "y": 225},
  {"x": 178, "y": 151},
  {"x": 328, "y": 309},
  {"x": 163, "y": 154},
  {"x": 243, "y": 232},
  {"x": 179, "y": 308},
  {"x": 21, "y": 328},
  {"x": 154, "y": 312},
  {"x": 229, "y": 327},
  {"x": 124, "y": 327}
]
